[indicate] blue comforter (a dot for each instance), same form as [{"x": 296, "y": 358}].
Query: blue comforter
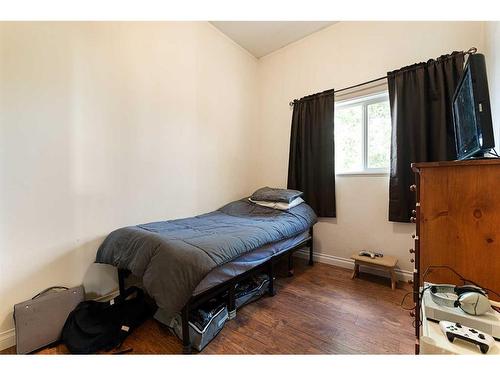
[{"x": 173, "y": 256}]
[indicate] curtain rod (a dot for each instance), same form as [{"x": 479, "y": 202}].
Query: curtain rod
[{"x": 470, "y": 51}]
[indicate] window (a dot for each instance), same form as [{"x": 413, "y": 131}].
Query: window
[{"x": 363, "y": 135}]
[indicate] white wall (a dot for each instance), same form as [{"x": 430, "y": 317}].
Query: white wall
[
  {"x": 492, "y": 53},
  {"x": 341, "y": 55},
  {"x": 110, "y": 124},
  {"x": 104, "y": 125}
]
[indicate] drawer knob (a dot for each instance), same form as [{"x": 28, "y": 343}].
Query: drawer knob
[
  {"x": 414, "y": 212},
  {"x": 413, "y": 236},
  {"x": 413, "y": 187},
  {"x": 413, "y": 219},
  {"x": 411, "y": 251},
  {"x": 412, "y": 314},
  {"x": 412, "y": 260}
]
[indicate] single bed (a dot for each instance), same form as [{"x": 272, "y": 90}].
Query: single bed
[{"x": 187, "y": 261}]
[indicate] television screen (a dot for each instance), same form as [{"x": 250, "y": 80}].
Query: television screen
[
  {"x": 465, "y": 117},
  {"x": 471, "y": 111}
]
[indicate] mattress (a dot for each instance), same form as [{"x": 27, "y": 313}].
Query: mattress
[{"x": 248, "y": 261}]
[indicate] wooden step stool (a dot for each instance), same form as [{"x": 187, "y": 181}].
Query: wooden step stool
[{"x": 387, "y": 263}]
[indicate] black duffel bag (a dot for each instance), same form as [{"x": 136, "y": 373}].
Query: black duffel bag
[{"x": 101, "y": 326}]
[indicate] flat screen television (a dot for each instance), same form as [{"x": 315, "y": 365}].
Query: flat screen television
[{"x": 472, "y": 112}]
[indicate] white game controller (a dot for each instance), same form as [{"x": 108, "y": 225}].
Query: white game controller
[{"x": 456, "y": 330}]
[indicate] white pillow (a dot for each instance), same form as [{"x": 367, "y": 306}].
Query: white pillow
[{"x": 279, "y": 205}]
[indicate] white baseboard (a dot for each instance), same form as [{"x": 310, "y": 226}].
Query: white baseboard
[
  {"x": 403, "y": 275},
  {"x": 7, "y": 339}
]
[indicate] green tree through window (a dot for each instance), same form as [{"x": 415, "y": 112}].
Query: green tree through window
[{"x": 363, "y": 135}]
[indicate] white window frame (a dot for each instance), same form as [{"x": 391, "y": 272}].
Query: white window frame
[{"x": 365, "y": 100}]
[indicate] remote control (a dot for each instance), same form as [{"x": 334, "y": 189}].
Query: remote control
[{"x": 456, "y": 330}]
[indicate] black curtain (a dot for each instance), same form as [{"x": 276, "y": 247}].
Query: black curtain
[
  {"x": 311, "y": 166},
  {"x": 420, "y": 97}
]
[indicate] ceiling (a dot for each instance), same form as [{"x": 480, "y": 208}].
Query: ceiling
[{"x": 263, "y": 37}]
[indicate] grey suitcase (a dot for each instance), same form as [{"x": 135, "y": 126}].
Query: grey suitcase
[{"x": 39, "y": 321}]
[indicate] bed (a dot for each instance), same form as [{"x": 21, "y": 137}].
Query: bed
[{"x": 184, "y": 262}]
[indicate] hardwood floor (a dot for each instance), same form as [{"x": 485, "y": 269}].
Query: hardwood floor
[{"x": 318, "y": 311}]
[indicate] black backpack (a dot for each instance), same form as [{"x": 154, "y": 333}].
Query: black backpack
[{"x": 101, "y": 326}]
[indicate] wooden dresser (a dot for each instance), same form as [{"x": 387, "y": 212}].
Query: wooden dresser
[{"x": 457, "y": 218}]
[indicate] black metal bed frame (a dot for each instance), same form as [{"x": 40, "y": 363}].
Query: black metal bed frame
[{"x": 229, "y": 286}]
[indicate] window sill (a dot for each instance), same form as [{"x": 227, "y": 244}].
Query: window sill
[{"x": 363, "y": 174}]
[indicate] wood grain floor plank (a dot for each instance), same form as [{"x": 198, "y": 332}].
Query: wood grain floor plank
[{"x": 318, "y": 311}]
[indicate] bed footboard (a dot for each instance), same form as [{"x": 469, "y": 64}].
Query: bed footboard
[
  {"x": 122, "y": 275},
  {"x": 311, "y": 246},
  {"x": 270, "y": 273},
  {"x": 186, "y": 340}
]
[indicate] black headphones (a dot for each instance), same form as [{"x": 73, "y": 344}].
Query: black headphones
[{"x": 470, "y": 298}]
